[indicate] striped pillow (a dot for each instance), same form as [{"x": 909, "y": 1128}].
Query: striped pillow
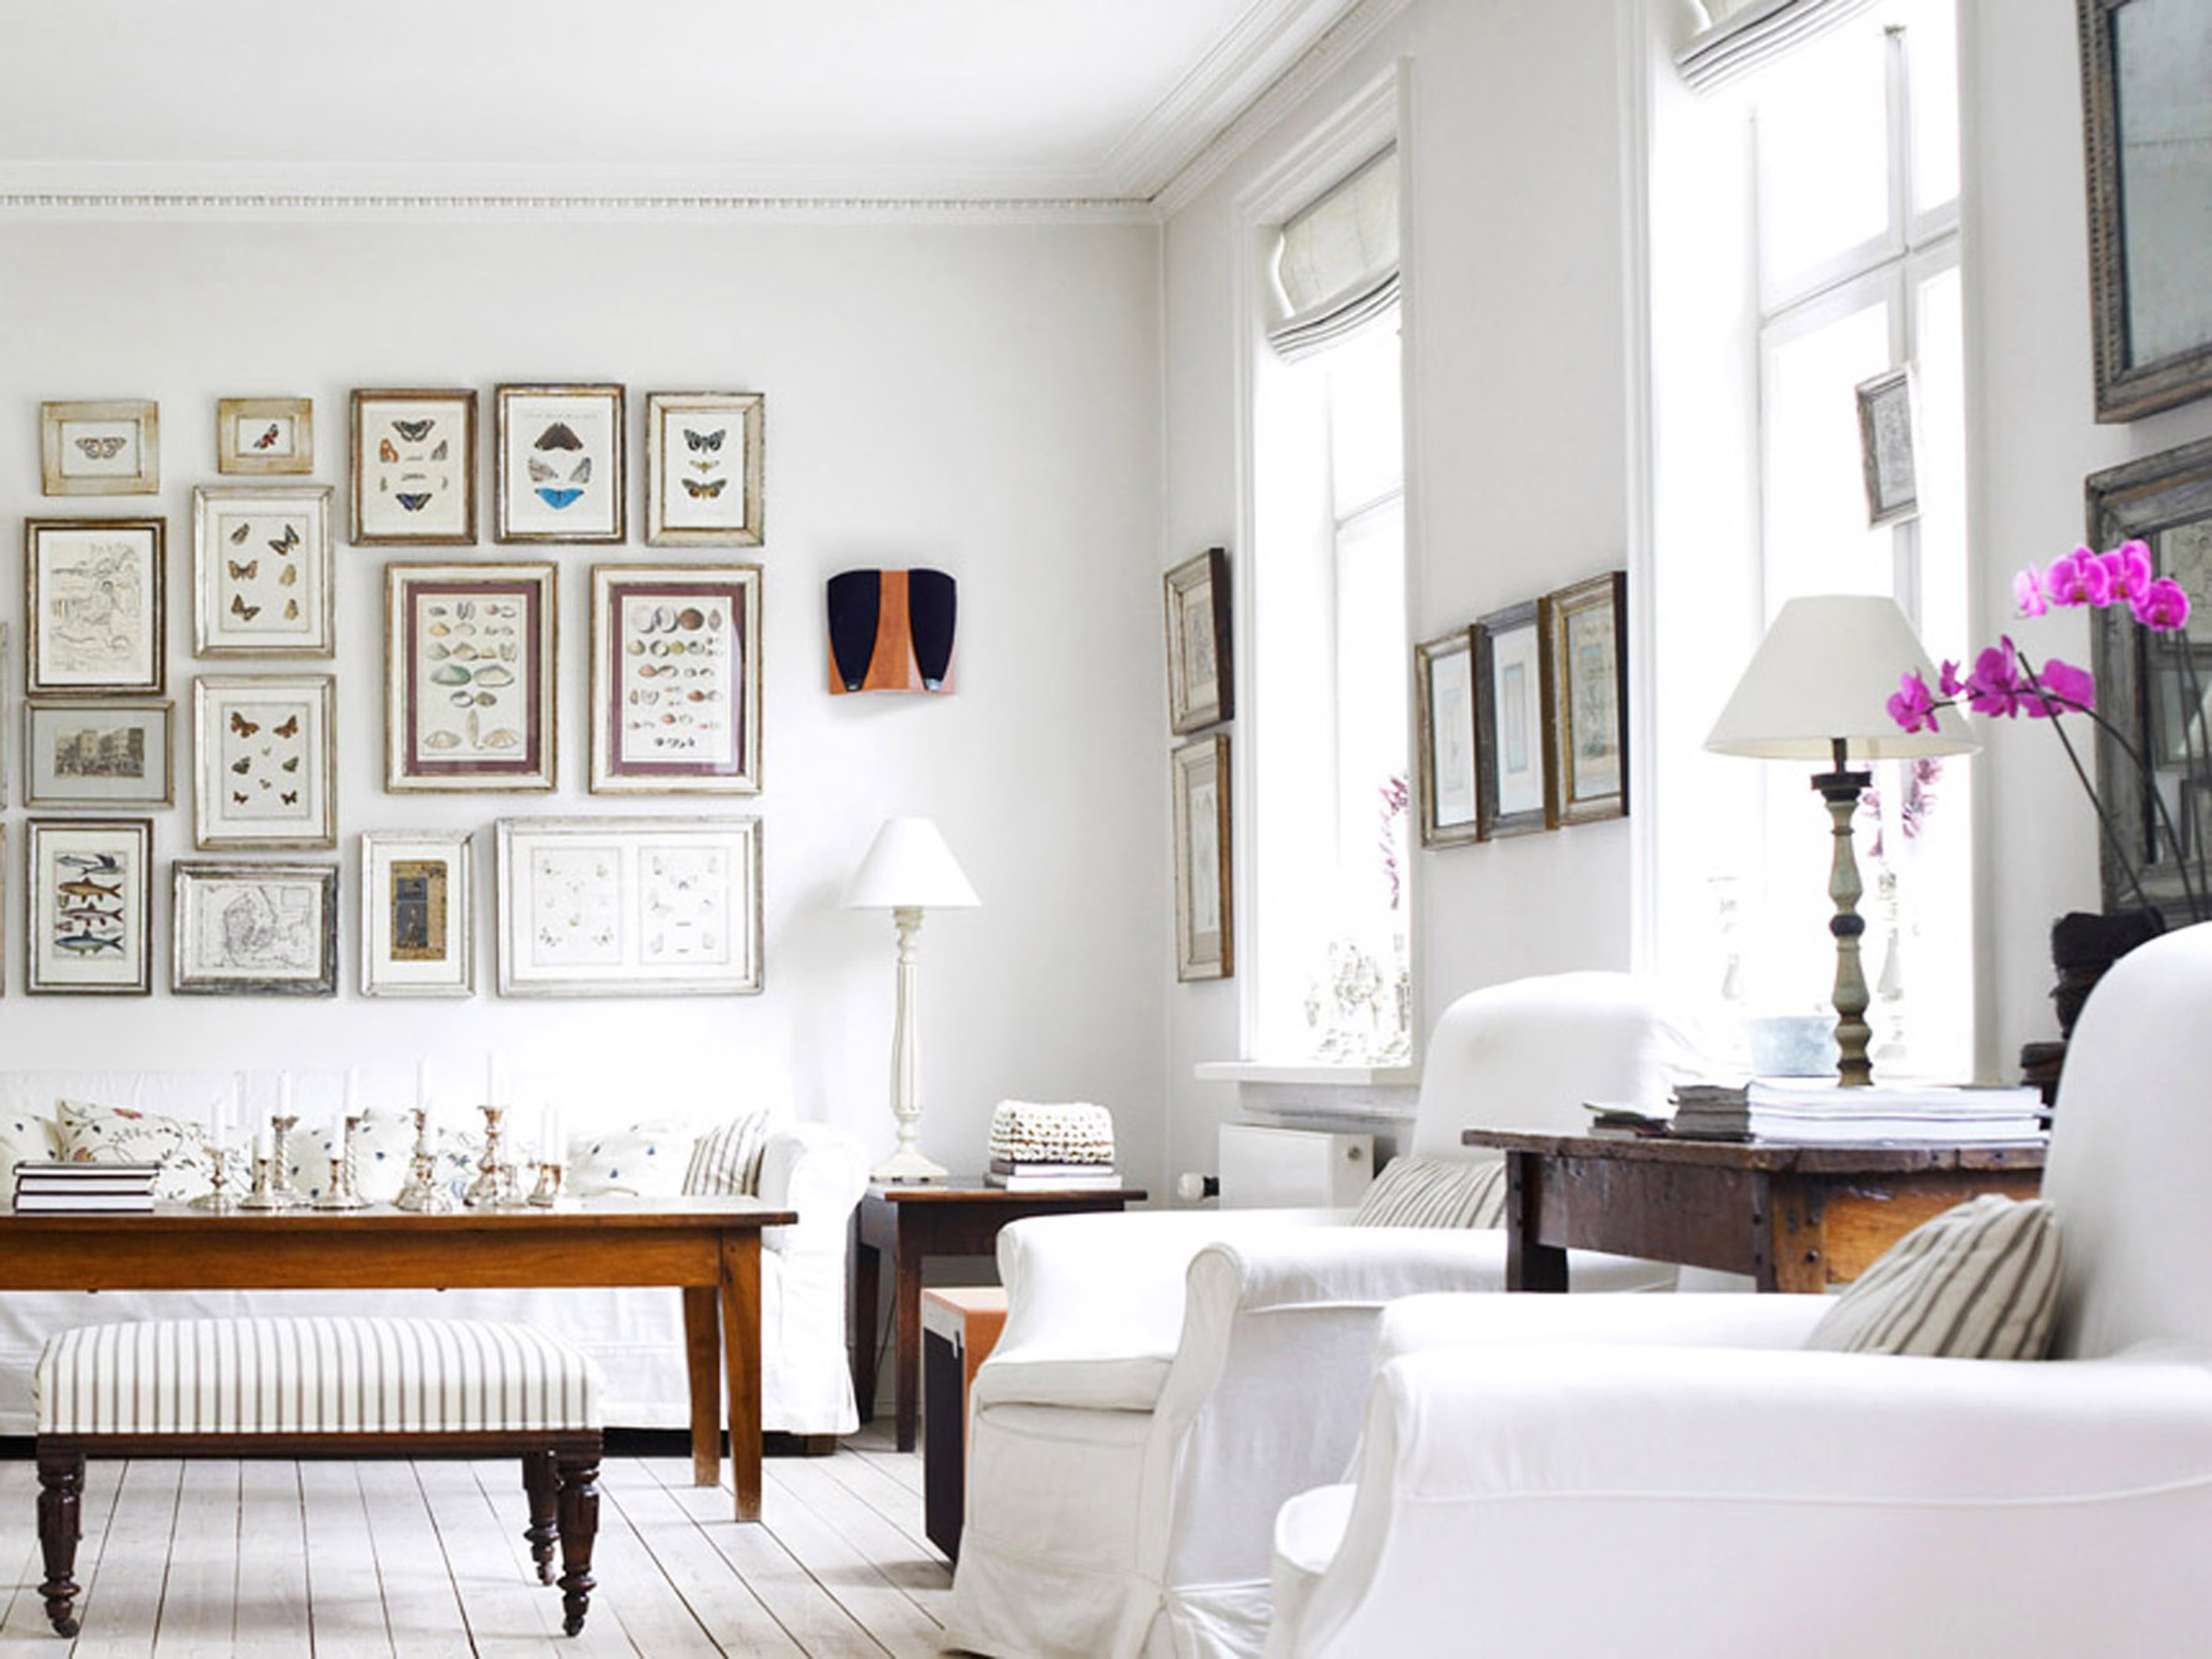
[
  {"x": 1979, "y": 1281},
  {"x": 1434, "y": 1192},
  {"x": 727, "y": 1160}
]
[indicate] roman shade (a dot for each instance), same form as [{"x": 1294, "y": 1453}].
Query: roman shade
[
  {"x": 1742, "y": 35},
  {"x": 1335, "y": 266}
]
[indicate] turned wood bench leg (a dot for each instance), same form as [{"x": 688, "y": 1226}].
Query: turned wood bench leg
[
  {"x": 578, "y": 1468},
  {"x": 538, "y": 1481},
  {"x": 61, "y": 1500}
]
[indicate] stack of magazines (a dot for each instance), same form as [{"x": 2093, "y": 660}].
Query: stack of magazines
[
  {"x": 111, "y": 1188},
  {"x": 1823, "y": 1111},
  {"x": 1019, "y": 1175}
]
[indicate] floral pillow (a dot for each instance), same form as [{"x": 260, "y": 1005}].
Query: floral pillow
[
  {"x": 645, "y": 1160},
  {"x": 118, "y": 1134},
  {"x": 27, "y": 1139}
]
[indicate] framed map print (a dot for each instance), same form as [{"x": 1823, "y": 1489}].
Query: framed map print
[
  {"x": 414, "y": 468},
  {"x": 559, "y": 457},
  {"x": 89, "y": 906},
  {"x": 628, "y": 907},
  {"x": 261, "y": 570},
  {"x": 676, "y": 678},
  {"x": 254, "y": 929},
  {"x": 417, "y": 914},
  {"x": 93, "y": 591},
  {"x": 703, "y": 468},
  {"x": 264, "y": 777},
  {"x": 469, "y": 661}
]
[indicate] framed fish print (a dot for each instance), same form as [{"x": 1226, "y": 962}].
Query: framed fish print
[
  {"x": 265, "y": 436},
  {"x": 1586, "y": 634},
  {"x": 265, "y": 775},
  {"x": 1205, "y": 939},
  {"x": 253, "y": 929},
  {"x": 93, "y": 591},
  {"x": 469, "y": 652},
  {"x": 1514, "y": 789},
  {"x": 629, "y": 906},
  {"x": 559, "y": 463},
  {"x": 703, "y": 468},
  {"x": 111, "y": 448},
  {"x": 1443, "y": 674},
  {"x": 90, "y": 907},
  {"x": 417, "y": 914},
  {"x": 97, "y": 754},
  {"x": 676, "y": 679},
  {"x": 261, "y": 567},
  {"x": 414, "y": 468}
]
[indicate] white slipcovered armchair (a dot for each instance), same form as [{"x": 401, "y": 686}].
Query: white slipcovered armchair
[
  {"x": 1737, "y": 1495},
  {"x": 1166, "y": 1380}
]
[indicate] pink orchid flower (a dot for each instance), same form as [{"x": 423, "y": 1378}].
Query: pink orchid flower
[
  {"x": 2079, "y": 578},
  {"x": 2027, "y": 588},
  {"x": 2129, "y": 568},
  {"x": 1911, "y": 706},
  {"x": 2163, "y": 607}
]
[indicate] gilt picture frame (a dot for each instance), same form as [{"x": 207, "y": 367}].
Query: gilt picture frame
[
  {"x": 253, "y": 929},
  {"x": 628, "y": 907},
  {"x": 87, "y": 753},
  {"x": 89, "y": 906},
  {"x": 414, "y": 469},
  {"x": 1443, "y": 675},
  {"x": 94, "y": 594},
  {"x": 676, "y": 679},
  {"x": 417, "y": 913},
  {"x": 1887, "y": 405},
  {"x": 264, "y": 437},
  {"x": 1201, "y": 680},
  {"x": 1516, "y": 790},
  {"x": 1204, "y": 932},
  {"x": 100, "y": 448},
  {"x": 558, "y": 461},
  {"x": 705, "y": 464},
  {"x": 264, "y": 772},
  {"x": 261, "y": 571},
  {"x": 470, "y": 671},
  {"x": 1586, "y": 636}
]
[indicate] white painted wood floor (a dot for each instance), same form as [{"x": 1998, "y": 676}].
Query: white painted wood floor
[{"x": 421, "y": 1560}]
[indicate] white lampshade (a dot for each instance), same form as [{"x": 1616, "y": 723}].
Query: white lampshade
[
  {"x": 1826, "y": 671},
  {"x": 910, "y": 867}
]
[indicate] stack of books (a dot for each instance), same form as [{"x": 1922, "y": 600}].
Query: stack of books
[
  {"x": 1022, "y": 1174},
  {"x": 112, "y": 1188},
  {"x": 1824, "y": 1112}
]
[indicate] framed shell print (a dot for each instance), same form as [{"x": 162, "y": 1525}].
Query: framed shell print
[
  {"x": 1205, "y": 939},
  {"x": 97, "y": 754},
  {"x": 254, "y": 929},
  {"x": 559, "y": 460},
  {"x": 89, "y": 906},
  {"x": 414, "y": 468},
  {"x": 417, "y": 914},
  {"x": 110, "y": 448},
  {"x": 265, "y": 775},
  {"x": 469, "y": 652},
  {"x": 261, "y": 571},
  {"x": 676, "y": 678},
  {"x": 265, "y": 436},
  {"x": 703, "y": 468},
  {"x": 93, "y": 591}
]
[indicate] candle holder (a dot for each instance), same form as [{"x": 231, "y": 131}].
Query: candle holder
[
  {"x": 546, "y": 1195},
  {"x": 494, "y": 1188},
  {"x": 342, "y": 1194},
  {"x": 217, "y": 1202},
  {"x": 424, "y": 1195},
  {"x": 272, "y": 1175}
]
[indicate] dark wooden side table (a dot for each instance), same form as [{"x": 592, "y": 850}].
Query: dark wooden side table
[
  {"x": 958, "y": 1216},
  {"x": 1794, "y": 1217}
]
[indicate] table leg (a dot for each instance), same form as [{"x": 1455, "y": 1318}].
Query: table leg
[
  {"x": 906, "y": 1316},
  {"x": 702, "y": 1362},
  {"x": 741, "y": 1339},
  {"x": 867, "y": 1268},
  {"x": 1529, "y": 1265}
]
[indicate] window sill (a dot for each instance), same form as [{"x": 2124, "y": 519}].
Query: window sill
[{"x": 1311, "y": 1074}]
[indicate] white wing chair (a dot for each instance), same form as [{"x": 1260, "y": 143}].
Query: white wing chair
[
  {"x": 1735, "y": 1495},
  {"x": 1166, "y": 1380}
]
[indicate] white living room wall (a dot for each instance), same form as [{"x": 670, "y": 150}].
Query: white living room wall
[{"x": 980, "y": 398}]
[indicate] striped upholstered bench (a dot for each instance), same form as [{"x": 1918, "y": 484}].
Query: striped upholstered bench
[{"x": 322, "y": 1388}]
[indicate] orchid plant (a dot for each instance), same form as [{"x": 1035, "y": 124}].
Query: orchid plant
[{"x": 2003, "y": 681}]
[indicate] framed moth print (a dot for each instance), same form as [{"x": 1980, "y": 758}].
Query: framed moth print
[
  {"x": 1202, "y": 690},
  {"x": 93, "y": 591},
  {"x": 417, "y": 914},
  {"x": 469, "y": 664},
  {"x": 676, "y": 678},
  {"x": 97, "y": 754},
  {"x": 629, "y": 906},
  {"x": 1586, "y": 634},
  {"x": 112, "y": 448},
  {"x": 264, "y": 777},
  {"x": 414, "y": 468},
  {"x": 1204, "y": 937},
  {"x": 254, "y": 929},
  {"x": 703, "y": 455},
  {"x": 1514, "y": 784},
  {"x": 559, "y": 460},
  {"x": 89, "y": 907},
  {"x": 266, "y": 436},
  {"x": 261, "y": 568},
  {"x": 1444, "y": 683}
]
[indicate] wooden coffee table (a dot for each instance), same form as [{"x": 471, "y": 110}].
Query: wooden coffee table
[
  {"x": 1794, "y": 1217},
  {"x": 960, "y": 1215}
]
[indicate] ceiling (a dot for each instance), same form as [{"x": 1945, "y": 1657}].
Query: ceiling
[{"x": 1061, "y": 99}]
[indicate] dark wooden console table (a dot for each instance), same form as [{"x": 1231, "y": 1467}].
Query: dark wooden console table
[
  {"x": 960, "y": 1215},
  {"x": 1794, "y": 1217},
  {"x": 708, "y": 1247}
]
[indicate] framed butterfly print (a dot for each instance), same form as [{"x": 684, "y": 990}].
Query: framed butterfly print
[
  {"x": 703, "y": 468},
  {"x": 93, "y": 591},
  {"x": 414, "y": 468},
  {"x": 261, "y": 567},
  {"x": 265, "y": 435},
  {"x": 112, "y": 448},
  {"x": 559, "y": 463},
  {"x": 417, "y": 914},
  {"x": 469, "y": 652},
  {"x": 263, "y": 752},
  {"x": 676, "y": 679}
]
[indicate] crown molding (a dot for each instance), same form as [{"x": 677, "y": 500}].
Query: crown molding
[{"x": 826, "y": 209}]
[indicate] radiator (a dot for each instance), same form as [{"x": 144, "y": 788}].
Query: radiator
[{"x": 1268, "y": 1168}]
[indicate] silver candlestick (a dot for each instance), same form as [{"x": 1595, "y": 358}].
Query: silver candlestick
[
  {"x": 423, "y": 1193},
  {"x": 342, "y": 1194},
  {"x": 546, "y": 1195},
  {"x": 272, "y": 1175},
  {"x": 495, "y": 1186},
  {"x": 217, "y": 1202}
]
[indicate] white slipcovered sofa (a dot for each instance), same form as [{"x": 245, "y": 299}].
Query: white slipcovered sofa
[
  {"x": 1165, "y": 1380},
  {"x": 636, "y": 1335},
  {"x": 1576, "y": 1476}
]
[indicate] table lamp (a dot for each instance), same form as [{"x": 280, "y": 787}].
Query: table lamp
[
  {"x": 1817, "y": 689},
  {"x": 907, "y": 870}
]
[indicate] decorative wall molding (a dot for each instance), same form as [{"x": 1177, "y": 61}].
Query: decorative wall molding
[{"x": 1071, "y": 209}]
